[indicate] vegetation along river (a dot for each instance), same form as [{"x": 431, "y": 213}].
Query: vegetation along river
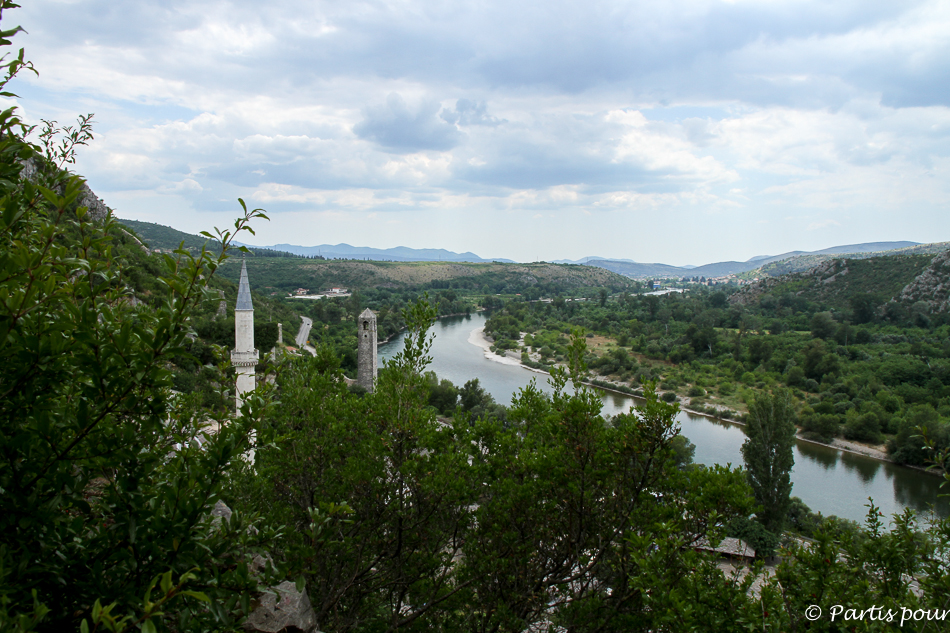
[{"x": 828, "y": 480}]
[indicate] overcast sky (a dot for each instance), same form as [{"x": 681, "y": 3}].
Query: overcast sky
[{"x": 684, "y": 132}]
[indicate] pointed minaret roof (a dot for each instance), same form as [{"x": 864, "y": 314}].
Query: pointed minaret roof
[{"x": 244, "y": 290}]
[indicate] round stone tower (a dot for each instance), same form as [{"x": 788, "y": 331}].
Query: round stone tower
[
  {"x": 243, "y": 357},
  {"x": 366, "y": 351}
]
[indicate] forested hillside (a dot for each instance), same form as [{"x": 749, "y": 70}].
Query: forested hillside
[
  {"x": 807, "y": 261},
  {"x": 166, "y": 239},
  {"x": 280, "y": 275},
  {"x": 840, "y": 284},
  {"x": 862, "y": 362}
]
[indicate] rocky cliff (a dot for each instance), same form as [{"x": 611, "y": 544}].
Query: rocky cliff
[{"x": 932, "y": 285}]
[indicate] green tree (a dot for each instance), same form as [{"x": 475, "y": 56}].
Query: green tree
[
  {"x": 823, "y": 325},
  {"x": 375, "y": 490},
  {"x": 768, "y": 456},
  {"x": 107, "y": 477}
]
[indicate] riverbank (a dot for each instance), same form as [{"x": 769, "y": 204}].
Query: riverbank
[{"x": 478, "y": 338}]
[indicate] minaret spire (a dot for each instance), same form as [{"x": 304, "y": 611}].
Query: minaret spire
[
  {"x": 244, "y": 291},
  {"x": 244, "y": 357}
]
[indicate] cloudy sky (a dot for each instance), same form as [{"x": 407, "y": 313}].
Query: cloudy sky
[{"x": 680, "y": 131}]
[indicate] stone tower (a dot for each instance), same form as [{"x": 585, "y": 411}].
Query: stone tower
[
  {"x": 244, "y": 357},
  {"x": 366, "y": 352}
]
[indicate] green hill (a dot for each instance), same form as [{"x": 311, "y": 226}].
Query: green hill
[
  {"x": 160, "y": 238},
  {"x": 808, "y": 261},
  {"x": 840, "y": 283},
  {"x": 279, "y": 275}
]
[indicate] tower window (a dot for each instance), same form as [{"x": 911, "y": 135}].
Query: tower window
[{"x": 365, "y": 325}]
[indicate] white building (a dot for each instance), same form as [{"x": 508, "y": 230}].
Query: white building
[{"x": 244, "y": 357}]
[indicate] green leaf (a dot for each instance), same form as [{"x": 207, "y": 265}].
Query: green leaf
[
  {"x": 197, "y": 595},
  {"x": 166, "y": 583}
]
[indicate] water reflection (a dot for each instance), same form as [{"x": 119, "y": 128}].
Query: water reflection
[
  {"x": 823, "y": 456},
  {"x": 864, "y": 468},
  {"x": 829, "y": 481},
  {"x": 916, "y": 493}
]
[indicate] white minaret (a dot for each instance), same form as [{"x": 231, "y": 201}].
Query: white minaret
[{"x": 244, "y": 357}]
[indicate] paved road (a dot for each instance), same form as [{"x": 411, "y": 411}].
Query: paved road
[{"x": 304, "y": 332}]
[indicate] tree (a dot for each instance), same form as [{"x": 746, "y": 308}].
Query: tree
[
  {"x": 108, "y": 478},
  {"x": 374, "y": 488},
  {"x": 823, "y": 325},
  {"x": 768, "y": 456}
]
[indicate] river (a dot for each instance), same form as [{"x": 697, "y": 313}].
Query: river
[{"x": 828, "y": 480}]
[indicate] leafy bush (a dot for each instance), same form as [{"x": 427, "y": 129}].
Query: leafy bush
[
  {"x": 755, "y": 535},
  {"x": 108, "y": 479},
  {"x": 795, "y": 377},
  {"x": 862, "y": 427}
]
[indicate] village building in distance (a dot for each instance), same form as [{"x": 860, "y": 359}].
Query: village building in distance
[{"x": 301, "y": 293}]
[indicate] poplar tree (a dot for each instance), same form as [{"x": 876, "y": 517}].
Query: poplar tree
[{"x": 768, "y": 456}]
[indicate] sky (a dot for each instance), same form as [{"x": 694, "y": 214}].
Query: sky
[{"x": 675, "y": 131}]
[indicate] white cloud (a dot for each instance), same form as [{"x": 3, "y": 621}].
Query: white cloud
[
  {"x": 628, "y": 117},
  {"x": 823, "y": 224}
]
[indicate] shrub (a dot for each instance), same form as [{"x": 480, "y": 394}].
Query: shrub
[
  {"x": 864, "y": 428},
  {"x": 108, "y": 480},
  {"x": 825, "y": 425},
  {"x": 755, "y": 535},
  {"x": 795, "y": 377},
  {"x": 814, "y": 437}
]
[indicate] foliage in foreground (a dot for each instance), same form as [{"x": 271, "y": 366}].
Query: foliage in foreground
[
  {"x": 398, "y": 520},
  {"x": 549, "y": 514},
  {"x": 107, "y": 479}
]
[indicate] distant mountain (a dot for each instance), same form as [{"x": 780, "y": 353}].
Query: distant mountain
[
  {"x": 161, "y": 237},
  {"x": 639, "y": 271},
  {"x": 807, "y": 261},
  {"x": 867, "y": 247},
  {"x": 636, "y": 270},
  {"x": 165, "y": 238},
  {"x": 398, "y": 254},
  {"x": 588, "y": 260}
]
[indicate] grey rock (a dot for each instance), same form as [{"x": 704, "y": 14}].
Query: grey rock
[
  {"x": 98, "y": 211},
  {"x": 931, "y": 285},
  {"x": 259, "y": 563},
  {"x": 288, "y": 611},
  {"x": 221, "y": 511}
]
